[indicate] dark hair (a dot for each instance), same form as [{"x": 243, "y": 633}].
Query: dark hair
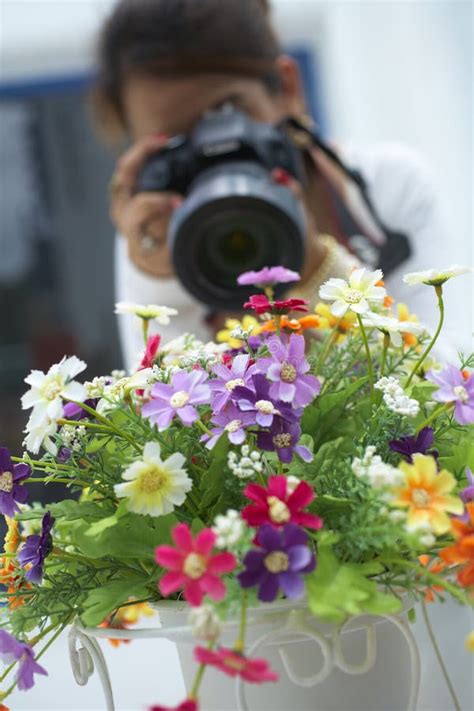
[{"x": 175, "y": 37}]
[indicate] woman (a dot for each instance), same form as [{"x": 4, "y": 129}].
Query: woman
[{"x": 162, "y": 65}]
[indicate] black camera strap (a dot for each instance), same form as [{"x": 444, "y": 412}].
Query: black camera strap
[{"x": 386, "y": 255}]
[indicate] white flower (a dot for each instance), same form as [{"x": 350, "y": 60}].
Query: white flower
[
  {"x": 205, "y": 624},
  {"x": 247, "y": 465},
  {"x": 150, "y": 312},
  {"x": 95, "y": 388},
  {"x": 377, "y": 472},
  {"x": 435, "y": 277},
  {"x": 38, "y": 433},
  {"x": 229, "y": 529},
  {"x": 392, "y": 326},
  {"x": 291, "y": 483},
  {"x": 359, "y": 294},
  {"x": 395, "y": 399},
  {"x": 154, "y": 486},
  {"x": 48, "y": 389}
]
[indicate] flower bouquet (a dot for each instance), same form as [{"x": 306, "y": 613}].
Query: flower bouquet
[{"x": 322, "y": 459}]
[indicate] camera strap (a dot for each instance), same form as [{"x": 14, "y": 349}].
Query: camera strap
[{"x": 394, "y": 248}]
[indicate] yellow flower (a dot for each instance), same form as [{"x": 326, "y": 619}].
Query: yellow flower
[
  {"x": 403, "y": 314},
  {"x": 327, "y": 320},
  {"x": 248, "y": 323},
  {"x": 469, "y": 643},
  {"x": 130, "y": 614},
  {"x": 425, "y": 494}
]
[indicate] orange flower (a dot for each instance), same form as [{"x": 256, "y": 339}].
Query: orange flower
[
  {"x": 433, "y": 566},
  {"x": 293, "y": 324},
  {"x": 426, "y": 495},
  {"x": 462, "y": 552},
  {"x": 403, "y": 314},
  {"x": 8, "y": 566},
  {"x": 124, "y": 617},
  {"x": 4, "y": 708},
  {"x": 327, "y": 320}
]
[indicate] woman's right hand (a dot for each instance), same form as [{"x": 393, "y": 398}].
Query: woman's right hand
[{"x": 143, "y": 218}]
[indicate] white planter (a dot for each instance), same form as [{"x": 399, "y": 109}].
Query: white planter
[{"x": 370, "y": 664}]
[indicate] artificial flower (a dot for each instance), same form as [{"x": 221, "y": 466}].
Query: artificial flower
[
  {"x": 187, "y": 705},
  {"x": 291, "y": 324},
  {"x": 228, "y": 378},
  {"x": 73, "y": 411},
  {"x": 11, "y": 650},
  {"x": 287, "y": 369},
  {"x": 391, "y": 326},
  {"x": 469, "y": 642},
  {"x": 150, "y": 312},
  {"x": 408, "y": 445},
  {"x": 395, "y": 398},
  {"x": 232, "y": 663},
  {"x": 261, "y": 305},
  {"x": 12, "y": 477},
  {"x": 247, "y": 465},
  {"x": 283, "y": 438},
  {"x": 256, "y": 398},
  {"x": 280, "y": 562},
  {"x": 276, "y": 505},
  {"x": 154, "y": 486},
  {"x": 64, "y": 455},
  {"x": 467, "y": 494},
  {"x": 462, "y": 552},
  {"x": 455, "y": 387},
  {"x": 435, "y": 566},
  {"x": 150, "y": 353},
  {"x": 404, "y": 316},
  {"x": 36, "y": 549},
  {"x": 435, "y": 277},
  {"x": 268, "y": 276},
  {"x": 375, "y": 470},
  {"x": 359, "y": 294},
  {"x": 49, "y": 389},
  {"x": 192, "y": 566},
  {"x": 229, "y": 528},
  {"x": 205, "y": 623},
  {"x": 178, "y": 398},
  {"x": 124, "y": 618},
  {"x": 327, "y": 320},
  {"x": 235, "y": 331},
  {"x": 426, "y": 494},
  {"x": 232, "y": 421}
]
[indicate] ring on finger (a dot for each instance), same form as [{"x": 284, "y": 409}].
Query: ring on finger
[{"x": 148, "y": 243}]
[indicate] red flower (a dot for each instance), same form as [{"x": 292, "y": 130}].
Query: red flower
[
  {"x": 151, "y": 350},
  {"x": 278, "y": 505},
  {"x": 258, "y": 303},
  {"x": 188, "y": 705},
  {"x": 261, "y": 305},
  {"x": 192, "y": 567},
  {"x": 232, "y": 663}
]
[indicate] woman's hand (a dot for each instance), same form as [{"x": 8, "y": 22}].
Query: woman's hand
[{"x": 143, "y": 218}]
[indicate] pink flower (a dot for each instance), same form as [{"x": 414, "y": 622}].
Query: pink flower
[
  {"x": 261, "y": 305},
  {"x": 278, "y": 505},
  {"x": 268, "y": 276},
  {"x": 151, "y": 350},
  {"x": 188, "y": 705},
  {"x": 256, "y": 671},
  {"x": 192, "y": 567}
]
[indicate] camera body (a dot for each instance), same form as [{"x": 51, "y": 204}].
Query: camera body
[{"x": 234, "y": 217}]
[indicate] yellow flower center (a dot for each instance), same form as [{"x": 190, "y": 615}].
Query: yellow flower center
[
  {"x": 420, "y": 497},
  {"x": 154, "y": 479},
  {"x": 276, "y": 562},
  {"x": 265, "y": 407},
  {"x": 231, "y": 384},
  {"x": 282, "y": 440},
  {"x": 461, "y": 393},
  {"x": 179, "y": 399},
  {"x": 6, "y": 482},
  {"x": 288, "y": 373},
  {"x": 233, "y": 426},
  {"x": 52, "y": 390},
  {"x": 234, "y": 663},
  {"x": 194, "y": 566},
  {"x": 278, "y": 510},
  {"x": 353, "y": 296}
]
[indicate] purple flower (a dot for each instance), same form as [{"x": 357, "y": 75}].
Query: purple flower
[
  {"x": 467, "y": 494},
  {"x": 35, "y": 549},
  {"x": 453, "y": 387},
  {"x": 11, "y": 650},
  {"x": 11, "y": 489},
  {"x": 279, "y": 563},
  {"x": 287, "y": 370},
  {"x": 282, "y": 438},
  {"x": 420, "y": 444},
  {"x": 256, "y": 398},
  {"x": 186, "y": 390},
  {"x": 228, "y": 379},
  {"x": 71, "y": 411},
  {"x": 64, "y": 455},
  {"x": 268, "y": 276},
  {"x": 230, "y": 420}
]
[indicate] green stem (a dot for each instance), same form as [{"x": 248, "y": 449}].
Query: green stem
[
  {"x": 437, "y": 411},
  {"x": 432, "y": 577},
  {"x": 370, "y": 367},
  {"x": 145, "y": 326},
  {"x": 386, "y": 343},
  {"x": 327, "y": 345},
  {"x": 439, "y": 294},
  {"x": 239, "y": 645},
  {"x": 34, "y": 462},
  {"x": 198, "y": 678},
  {"x": 84, "y": 423},
  {"x": 108, "y": 423},
  {"x": 439, "y": 657},
  {"x": 203, "y": 427},
  {"x": 53, "y": 480}
]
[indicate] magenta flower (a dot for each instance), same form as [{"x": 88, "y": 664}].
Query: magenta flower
[
  {"x": 268, "y": 276},
  {"x": 11, "y": 479},
  {"x": 228, "y": 379},
  {"x": 36, "y": 549},
  {"x": 454, "y": 387},
  {"x": 287, "y": 368},
  {"x": 186, "y": 390},
  {"x": 232, "y": 663},
  {"x": 467, "y": 495},
  {"x": 280, "y": 562},
  {"x": 11, "y": 650},
  {"x": 232, "y": 421}
]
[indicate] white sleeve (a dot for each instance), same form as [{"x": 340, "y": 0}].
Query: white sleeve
[
  {"x": 402, "y": 189},
  {"x": 133, "y": 285}
]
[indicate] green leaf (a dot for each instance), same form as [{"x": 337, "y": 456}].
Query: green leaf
[
  {"x": 324, "y": 418},
  {"x": 461, "y": 454},
  {"x": 100, "y": 602},
  {"x": 212, "y": 481},
  {"x": 338, "y": 590},
  {"x": 326, "y": 504},
  {"x": 70, "y": 510},
  {"x": 96, "y": 444}
]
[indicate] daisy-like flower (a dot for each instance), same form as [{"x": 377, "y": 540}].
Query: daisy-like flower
[
  {"x": 360, "y": 294},
  {"x": 277, "y": 505},
  {"x": 150, "y": 312},
  {"x": 462, "y": 552},
  {"x": 256, "y": 399},
  {"x": 426, "y": 494},
  {"x": 11, "y": 650},
  {"x": 12, "y": 491},
  {"x": 152, "y": 486},
  {"x": 268, "y": 276},
  {"x": 124, "y": 618},
  {"x": 392, "y": 327},
  {"x": 232, "y": 663},
  {"x": 230, "y": 421},
  {"x": 261, "y": 305},
  {"x": 39, "y": 433},
  {"x": 455, "y": 387},
  {"x": 36, "y": 549},
  {"x": 435, "y": 277},
  {"x": 49, "y": 389},
  {"x": 228, "y": 378},
  {"x": 178, "y": 398},
  {"x": 283, "y": 437},
  {"x": 192, "y": 565},
  {"x": 249, "y": 326}
]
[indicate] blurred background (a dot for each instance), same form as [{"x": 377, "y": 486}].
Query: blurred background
[{"x": 374, "y": 71}]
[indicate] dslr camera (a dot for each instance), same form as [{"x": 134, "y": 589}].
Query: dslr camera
[{"x": 234, "y": 218}]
